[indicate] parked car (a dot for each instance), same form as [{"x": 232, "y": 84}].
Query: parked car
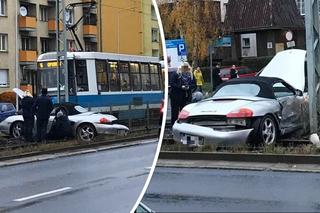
[
  {"x": 254, "y": 109},
  {"x": 6, "y": 110},
  {"x": 85, "y": 125},
  {"x": 243, "y": 72}
]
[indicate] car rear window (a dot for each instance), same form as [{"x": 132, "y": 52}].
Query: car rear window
[{"x": 238, "y": 90}]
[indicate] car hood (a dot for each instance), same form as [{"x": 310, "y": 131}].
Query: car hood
[
  {"x": 289, "y": 66},
  {"x": 92, "y": 117},
  {"x": 219, "y": 106}
]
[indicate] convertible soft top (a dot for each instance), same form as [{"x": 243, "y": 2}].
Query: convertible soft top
[{"x": 265, "y": 83}]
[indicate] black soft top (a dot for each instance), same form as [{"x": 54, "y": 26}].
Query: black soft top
[{"x": 265, "y": 84}]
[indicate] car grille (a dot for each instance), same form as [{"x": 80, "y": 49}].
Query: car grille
[{"x": 208, "y": 120}]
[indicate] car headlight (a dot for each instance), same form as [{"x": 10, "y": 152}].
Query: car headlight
[{"x": 238, "y": 122}]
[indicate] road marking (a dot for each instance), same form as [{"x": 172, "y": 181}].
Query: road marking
[{"x": 42, "y": 194}]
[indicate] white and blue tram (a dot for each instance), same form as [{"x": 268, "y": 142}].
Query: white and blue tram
[{"x": 105, "y": 81}]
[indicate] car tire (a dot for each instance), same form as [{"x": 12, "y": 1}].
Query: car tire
[
  {"x": 16, "y": 129},
  {"x": 86, "y": 132},
  {"x": 266, "y": 131}
]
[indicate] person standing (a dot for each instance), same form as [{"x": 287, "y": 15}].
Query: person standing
[
  {"x": 28, "y": 116},
  {"x": 216, "y": 78},
  {"x": 199, "y": 78},
  {"x": 233, "y": 72},
  {"x": 42, "y": 108},
  {"x": 182, "y": 84}
]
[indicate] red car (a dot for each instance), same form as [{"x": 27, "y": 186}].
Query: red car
[{"x": 243, "y": 71}]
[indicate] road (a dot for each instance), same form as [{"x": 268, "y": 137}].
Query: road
[
  {"x": 213, "y": 190},
  {"x": 106, "y": 181}
]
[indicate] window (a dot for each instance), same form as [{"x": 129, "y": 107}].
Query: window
[
  {"x": 26, "y": 43},
  {"x": 4, "y": 78},
  {"x": 153, "y": 13},
  {"x": 246, "y": 42},
  {"x": 154, "y": 76},
  {"x": 280, "y": 90},
  {"x": 3, "y": 7},
  {"x": 135, "y": 76},
  {"x": 300, "y": 4},
  {"x": 155, "y": 53},
  {"x": 44, "y": 45},
  {"x": 124, "y": 76},
  {"x": 43, "y": 13},
  {"x": 238, "y": 90},
  {"x": 70, "y": 16},
  {"x": 102, "y": 80},
  {"x": 3, "y": 42},
  {"x": 155, "y": 35},
  {"x": 113, "y": 76},
  {"x": 81, "y": 73},
  {"x": 71, "y": 45},
  {"x": 145, "y": 77}
]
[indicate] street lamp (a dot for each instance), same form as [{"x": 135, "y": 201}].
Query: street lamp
[{"x": 118, "y": 25}]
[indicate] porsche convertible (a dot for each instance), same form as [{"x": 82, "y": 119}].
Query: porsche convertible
[
  {"x": 85, "y": 125},
  {"x": 255, "y": 110}
]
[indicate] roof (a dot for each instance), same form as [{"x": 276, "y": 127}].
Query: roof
[
  {"x": 265, "y": 83},
  {"x": 249, "y": 15}
]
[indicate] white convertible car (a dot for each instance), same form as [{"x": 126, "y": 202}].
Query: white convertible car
[{"x": 85, "y": 125}]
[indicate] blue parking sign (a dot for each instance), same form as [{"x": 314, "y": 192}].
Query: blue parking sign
[{"x": 182, "y": 49}]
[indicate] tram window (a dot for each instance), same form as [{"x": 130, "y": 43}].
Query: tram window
[
  {"x": 124, "y": 76},
  {"x": 145, "y": 77},
  {"x": 82, "y": 77},
  {"x": 135, "y": 76},
  {"x": 71, "y": 78},
  {"x": 102, "y": 81},
  {"x": 113, "y": 76},
  {"x": 155, "y": 79}
]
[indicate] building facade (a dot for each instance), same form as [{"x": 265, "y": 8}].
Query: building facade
[{"x": 128, "y": 27}]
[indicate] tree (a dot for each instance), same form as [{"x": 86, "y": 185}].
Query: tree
[{"x": 197, "y": 21}]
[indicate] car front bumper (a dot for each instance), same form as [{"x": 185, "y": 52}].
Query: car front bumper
[
  {"x": 111, "y": 129},
  {"x": 194, "y": 135}
]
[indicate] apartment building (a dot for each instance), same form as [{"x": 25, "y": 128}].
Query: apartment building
[{"x": 28, "y": 28}]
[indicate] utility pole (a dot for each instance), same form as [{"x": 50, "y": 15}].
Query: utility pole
[
  {"x": 61, "y": 45},
  {"x": 313, "y": 54}
]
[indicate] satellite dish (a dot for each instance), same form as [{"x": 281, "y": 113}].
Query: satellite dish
[{"x": 23, "y": 11}]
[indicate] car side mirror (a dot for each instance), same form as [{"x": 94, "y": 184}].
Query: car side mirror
[{"x": 298, "y": 92}]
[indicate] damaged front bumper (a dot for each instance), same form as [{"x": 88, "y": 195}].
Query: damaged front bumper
[
  {"x": 194, "y": 135},
  {"x": 112, "y": 129}
]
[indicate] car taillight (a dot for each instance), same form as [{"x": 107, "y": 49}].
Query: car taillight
[
  {"x": 104, "y": 120},
  {"x": 241, "y": 113},
  {"x": 183, "y": 115}
]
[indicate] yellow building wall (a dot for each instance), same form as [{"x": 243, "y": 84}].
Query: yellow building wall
[{"x": 121, "y": 26}]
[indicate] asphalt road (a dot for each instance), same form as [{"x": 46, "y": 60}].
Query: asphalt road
[
  {"x": 212, "y": 190},
  {"x": 106, "y": 181}
]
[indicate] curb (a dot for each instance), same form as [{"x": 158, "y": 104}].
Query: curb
[
  {"x": 253, "y": 158},
  {"x": 61, "y": 153}
]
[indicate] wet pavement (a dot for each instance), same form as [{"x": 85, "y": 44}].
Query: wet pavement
[
  {"x": 106, "y": 181},
  {"x": 214, "y": 190}
]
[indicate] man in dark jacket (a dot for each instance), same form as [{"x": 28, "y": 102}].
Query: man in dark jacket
[
  {"x": 28, "y": 116},
  {"x": 216, "y": 77},
  {"x": 42, "y": 108},
  {"x": 233, "y": 72},
  {"x": 182, "y": 84}
]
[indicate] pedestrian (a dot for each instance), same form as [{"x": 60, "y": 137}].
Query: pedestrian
[
  {"x": 233, "y": 72},
  {"x": 28, "y": 116},
  {"x": 182, "y": 84},
  {"x": 199, "y": 78},
  {"x": 42, "y": 108},
  {"x": 61, "y": 127},
  {"x": 216, "y": 78}
]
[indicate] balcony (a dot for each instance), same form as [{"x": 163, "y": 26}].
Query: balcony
[
  {"x": 27, "y": 56},
  {"x": 27, "y": 23},
  {"x": 89, "y": 31},
  {"x": 52, "y": 26}
]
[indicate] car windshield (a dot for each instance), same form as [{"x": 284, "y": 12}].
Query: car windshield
[
  {"x": 238, "y": 90},
  {"x": 80, "y": 109}
]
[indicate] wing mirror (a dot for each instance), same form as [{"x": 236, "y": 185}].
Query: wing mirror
[{"x": 298, "y": 92}]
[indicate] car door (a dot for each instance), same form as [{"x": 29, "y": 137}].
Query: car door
[{"x": 291, "y": 106}]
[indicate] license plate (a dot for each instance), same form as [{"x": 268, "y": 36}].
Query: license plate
[
  {"x": 190, "y": 140},
  {"x": 121, "y": 132}
]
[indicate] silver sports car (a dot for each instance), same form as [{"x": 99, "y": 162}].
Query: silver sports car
[
  {"x": 249, "y": 110},
  {"x": 85, "y": 125}
]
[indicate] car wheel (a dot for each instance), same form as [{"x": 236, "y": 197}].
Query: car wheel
[
  {"x": 16, "y": 130},
  {"x": 267, "y": 131},
  {"x": 86, "y": 132}
]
